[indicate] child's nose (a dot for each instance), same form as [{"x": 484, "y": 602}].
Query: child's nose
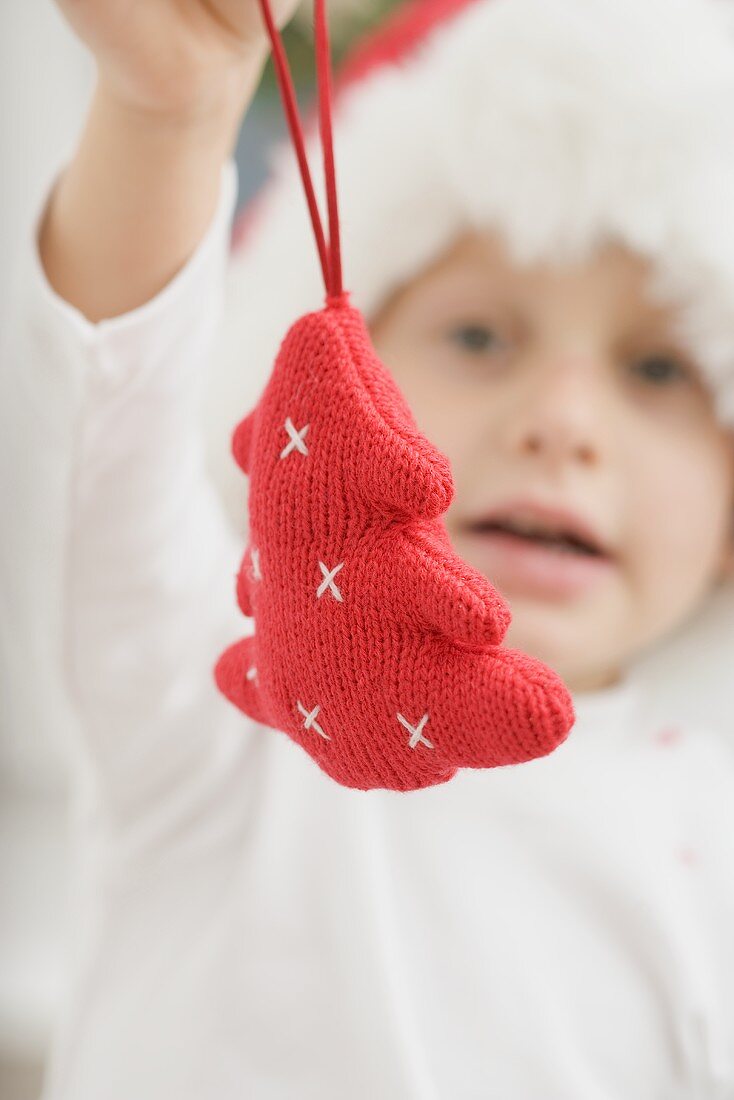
[
  {"x": 557, "y": 443},
  {"x": 564, "y": 419}
]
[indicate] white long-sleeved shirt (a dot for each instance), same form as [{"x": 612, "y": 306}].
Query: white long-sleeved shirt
[{"x": 559, "y": 930}]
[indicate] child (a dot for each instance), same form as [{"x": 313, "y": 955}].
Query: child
[{"x": 527, "y": 188}]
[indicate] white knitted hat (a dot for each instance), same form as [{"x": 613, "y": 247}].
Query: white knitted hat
[{"x": 560, "y": 122}]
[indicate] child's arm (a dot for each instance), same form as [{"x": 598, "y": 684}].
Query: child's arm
[
  {"x": 121, "y": 562},
  {"x": 174, "y": 81}
]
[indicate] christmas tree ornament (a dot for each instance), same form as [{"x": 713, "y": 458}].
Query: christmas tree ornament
[{"x": 377, "y": 649}]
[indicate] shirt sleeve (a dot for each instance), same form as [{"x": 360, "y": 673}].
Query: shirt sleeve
[{"x": 118, "y": 537}]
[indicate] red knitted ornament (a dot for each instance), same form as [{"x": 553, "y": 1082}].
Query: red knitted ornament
[{"x": 376, "y": 647}]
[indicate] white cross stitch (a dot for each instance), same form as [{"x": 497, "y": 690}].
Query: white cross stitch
[
  {"x": 255, "y": 558},
  {"x": 310, "y": 719},
  {"x": 251, "y": 673},
  {"x": 328, "y": 581},
  {"x": 415, "y": 731},
  {"x": 296, "y": 440}
]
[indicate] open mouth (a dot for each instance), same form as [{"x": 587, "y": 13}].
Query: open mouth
[
  {"x": 564, "y": 542},
  {"x": 535, "y": 549}
]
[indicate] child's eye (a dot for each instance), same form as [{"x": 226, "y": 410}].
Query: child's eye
[
  {"x": 661, "y": 370},
  {"x": 474, "y": 337}
]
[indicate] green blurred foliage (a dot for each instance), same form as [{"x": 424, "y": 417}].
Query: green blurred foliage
[{"x": 347, "y": 22}]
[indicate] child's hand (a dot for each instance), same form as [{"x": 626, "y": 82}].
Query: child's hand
[{"x": 177, "y": 58}]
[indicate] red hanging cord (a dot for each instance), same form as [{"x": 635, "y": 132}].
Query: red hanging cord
[
  {"x": 323, "y": 70},
  {"x": 290, "y": 107},
  {"x": 330, "y": 258}
]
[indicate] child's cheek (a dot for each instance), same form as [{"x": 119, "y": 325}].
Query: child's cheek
[{"x": 679, "y": 501}]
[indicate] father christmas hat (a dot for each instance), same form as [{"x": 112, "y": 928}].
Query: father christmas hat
[{"x": 560, "y": 123}]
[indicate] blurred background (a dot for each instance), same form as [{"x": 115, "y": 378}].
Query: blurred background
[{"x": 46, "y": 79}]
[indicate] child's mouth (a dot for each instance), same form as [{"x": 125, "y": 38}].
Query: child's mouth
[{"x": 521, "y": 558}]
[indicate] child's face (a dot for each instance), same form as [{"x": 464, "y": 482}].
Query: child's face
[{"x": 565, "y": 388}]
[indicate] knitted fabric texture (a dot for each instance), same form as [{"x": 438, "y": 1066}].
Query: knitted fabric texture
[{"x": 376, "y": 647}]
